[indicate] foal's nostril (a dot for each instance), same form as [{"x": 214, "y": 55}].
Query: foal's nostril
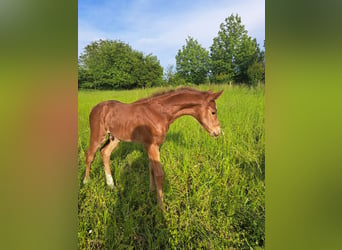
[{"x": 216, "y": 133}]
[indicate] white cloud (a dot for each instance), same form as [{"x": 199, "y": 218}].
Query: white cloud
[{"x": 164, "y": 34}]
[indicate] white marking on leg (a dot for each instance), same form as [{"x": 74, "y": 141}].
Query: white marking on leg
[
  {"x": 85, "y": 180},
  {"x": 109, "y": 180}
]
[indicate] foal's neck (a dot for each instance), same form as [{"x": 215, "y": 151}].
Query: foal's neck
[{"x": 184, "y": 104}]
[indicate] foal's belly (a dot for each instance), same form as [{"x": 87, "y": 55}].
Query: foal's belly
[
  {"x": 137, "y": 126},
  {"x": 140, "y": 133}
]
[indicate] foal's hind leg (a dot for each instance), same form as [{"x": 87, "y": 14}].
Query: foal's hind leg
[
  {"x": 106, "y": 151},
  {"x": 96, "y": 139}
]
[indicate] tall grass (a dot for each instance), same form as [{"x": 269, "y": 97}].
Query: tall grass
[{"x": 214, "y": 189}]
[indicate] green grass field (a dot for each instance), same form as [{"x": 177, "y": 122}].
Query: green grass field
[{"x": 214, "y": 189}]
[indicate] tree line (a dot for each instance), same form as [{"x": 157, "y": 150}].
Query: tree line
[{"x": 233, "y": 57}]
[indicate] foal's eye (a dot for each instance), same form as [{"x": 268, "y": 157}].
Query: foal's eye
[{"x": 213, "y": 112}]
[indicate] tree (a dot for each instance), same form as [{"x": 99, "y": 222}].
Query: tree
[
  {"x": 192, "y": 62},
  {"x": 149, "y": 73},
  {"x": 172, "y": 78},
  {"x": 255, "y": 72},
  {"x": 84, "y": 77},
  {"x": 232, "y": 52},
  {"x": 89, "y": 67},
  {"x": 108, "y": 64},
  {"x": 169, "y": 75}
]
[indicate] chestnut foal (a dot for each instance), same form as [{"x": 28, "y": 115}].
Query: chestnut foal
[{"x": 147, "y": 121}]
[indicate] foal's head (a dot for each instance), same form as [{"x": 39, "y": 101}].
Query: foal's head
[{"x": 208, "y": 114}]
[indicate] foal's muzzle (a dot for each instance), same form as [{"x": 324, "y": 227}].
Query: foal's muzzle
[{"x": 216, "y": 132}]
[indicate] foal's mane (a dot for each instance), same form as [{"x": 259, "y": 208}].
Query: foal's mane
[{"x": 169, "y": 93}]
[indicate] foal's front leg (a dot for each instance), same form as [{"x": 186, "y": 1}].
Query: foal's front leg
[
  {"x": 156, "y": 171},
  {"x": 152, "y": 183}
]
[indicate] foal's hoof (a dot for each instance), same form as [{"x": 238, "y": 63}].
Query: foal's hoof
[
  {"x": 111, "y": 186},
  {"x": 110, "y": 181},
  {"x": 86, "y": 180},
  {"x": 161, "y": 206}
]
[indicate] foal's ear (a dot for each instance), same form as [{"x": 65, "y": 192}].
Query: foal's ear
[{"x": 214, "y": 96}]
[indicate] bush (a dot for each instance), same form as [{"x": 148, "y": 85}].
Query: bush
[{"x": 255, "y": 72}]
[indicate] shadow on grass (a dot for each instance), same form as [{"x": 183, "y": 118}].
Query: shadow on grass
[
  {"x": 176, "y": 137},
  {"x": 135, "y": 220}
]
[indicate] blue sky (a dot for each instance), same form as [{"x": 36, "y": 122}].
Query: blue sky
[{"x": 160, "y": 27}]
